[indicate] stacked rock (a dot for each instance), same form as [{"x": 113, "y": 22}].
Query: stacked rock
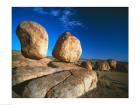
[
  {"x": 45, "y": 77},
  {"x": 33, "y": 38},
  {"x": 67, "y": 48}
]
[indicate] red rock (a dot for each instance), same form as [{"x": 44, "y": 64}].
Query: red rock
[
  {"x": 67, "y": 48},
  {"x": 33, "y": 38}
]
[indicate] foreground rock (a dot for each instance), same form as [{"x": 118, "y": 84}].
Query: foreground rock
[
  {"x": 33, "y": 38},
  {"x": 56, "y": 80},
  {"x": 72, "y": 83},
  {"x": 25, "y": 62},
  {"x": 39, "y": 87},
  {"x": 67, "y": 48}
]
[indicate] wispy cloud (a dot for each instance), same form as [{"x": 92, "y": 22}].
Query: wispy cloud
[
  {"x": 68, "y": 20},
  {"x": 40, "y": 10},
  {"x": 55, "y": 12},
  {"x": 66, "y": 17}
]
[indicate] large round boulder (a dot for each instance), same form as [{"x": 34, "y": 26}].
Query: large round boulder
[
  {"x": 33, "y": 38},
  {"x": 67, "y": 48}
]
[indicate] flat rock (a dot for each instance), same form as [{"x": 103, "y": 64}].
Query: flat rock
[
  {"x": 80, "y": 82},
  {"x": 64, "y": 65},
  {"x": 38, "y": 88},
  {"x": 23, "y": 62},
  {"x": 64, "y": 84},
  {"x": 22, "y": 74}
]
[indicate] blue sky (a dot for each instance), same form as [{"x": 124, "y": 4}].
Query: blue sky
[{"x": 103, "y": 31}]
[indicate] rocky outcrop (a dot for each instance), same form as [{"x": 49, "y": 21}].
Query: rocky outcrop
[
  {"x": 87, "y": 64},
  {"x": 33, "y": 38},
  {"x": 67, "y": 48},
  {"x": 102, "y": 65},
  {"x": 39, "y": 87},
  {"x": 112, "y": 63},
  {"x": 52, "y": 79},
  {"x": 25, "y": 62}
]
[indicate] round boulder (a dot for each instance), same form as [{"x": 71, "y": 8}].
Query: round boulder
[
  {"x": 87, "y": 64},
  {"x": 33, "y": 38},
  {"x": 113, "y": 63},
  {"x": 67, "y": 48},
  {"x": 102, "y": 65}
]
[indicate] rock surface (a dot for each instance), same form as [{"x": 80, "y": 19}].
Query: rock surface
[
  {"x": 33, "y": 38},
  {"x": 67, "y": 48},
  {"x": 53, "y": 79},
  {"x": 39, "y": 87},
  {"x": 87, "y": 64},
  {"x": 25, "y": 62}
]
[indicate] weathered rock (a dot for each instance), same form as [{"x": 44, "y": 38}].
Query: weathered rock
[
  {"x": 39, "y": 87},
  {"x": 44, "y": 78},
  {"x": 24, "y": 71},
  {"x": 64, "y": 65},
  {"x": 64, "y": 84},
  {"x": 22, "y": 74},
  {"x": 87, "y": 64},
  {"x": 75, "y": 85},
  {"x": 102, "y": 65},
  {"x": 67, "y": 48},
  {"x": 33, "y": 38},
  {"x": 23, "y": 62},
  {"x": 112, "y": 63}
]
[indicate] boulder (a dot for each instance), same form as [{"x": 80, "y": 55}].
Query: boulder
[
  {"x": 67, "y": 48},
  {"x": 112, "y": 63},
  {"x": 87, "y": 64},
  {"x": 102, "y": 65},
  {"x": 39, "y": 87},
  {"x": 64, "y": 84},
  {"x": 33, "y": 38},
  {"x": 57, "y": 80},
  {"x": 22, "y": 74},
  {"x": 78, "y": 83}
]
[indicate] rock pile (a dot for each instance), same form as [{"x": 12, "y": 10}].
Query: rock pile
[
  {"x": 36, "y": 76},
  {"x": 53, "y": 79}
]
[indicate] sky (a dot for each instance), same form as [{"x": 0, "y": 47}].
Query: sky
[{"x": 102, "y": 31}]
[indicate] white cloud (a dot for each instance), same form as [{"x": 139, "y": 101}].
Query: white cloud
[
  {"x": 68, "y": 20},
  {"x": 55, "y": 12},
  {"x": 40, "y": 10},
  {"x": 65, "y": 16}
]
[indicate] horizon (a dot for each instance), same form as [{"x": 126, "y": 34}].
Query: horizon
[{"x": 103, "y": 32}]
